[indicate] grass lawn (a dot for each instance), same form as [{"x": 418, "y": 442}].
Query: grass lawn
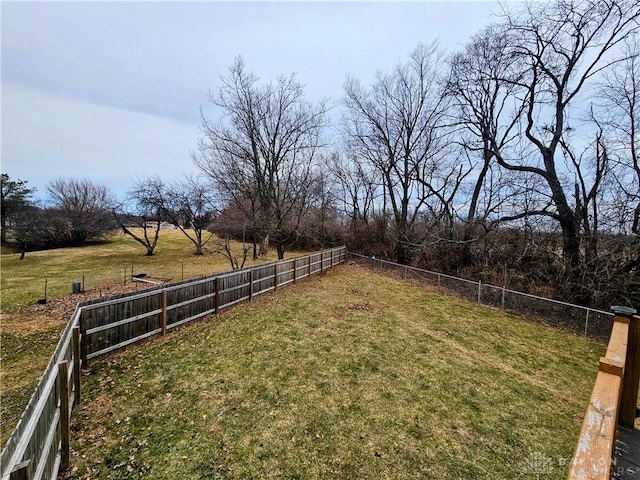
[
  {"x": 345, "y": 375},
  {"x": 30, "y": 332}
]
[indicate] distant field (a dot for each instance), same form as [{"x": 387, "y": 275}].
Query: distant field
[
  {"x": 103, "y": 264},
  {"x": 345, "y": 375}
]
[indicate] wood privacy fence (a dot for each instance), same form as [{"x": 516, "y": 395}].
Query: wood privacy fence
[
  {"x": 613, "y": 400},
  {"x": 39, "y": 445}
]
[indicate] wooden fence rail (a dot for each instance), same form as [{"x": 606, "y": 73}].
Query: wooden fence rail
[
  {"x": 39, "y": 445},
  {"x": 613, "y": 400}
]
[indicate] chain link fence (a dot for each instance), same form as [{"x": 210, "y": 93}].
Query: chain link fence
[{"x": 582, "y": 320}]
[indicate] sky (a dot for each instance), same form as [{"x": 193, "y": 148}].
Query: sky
[{"x": 112, "y": 91}]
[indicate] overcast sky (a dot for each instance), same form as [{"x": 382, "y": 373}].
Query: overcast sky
[{"x": 112, "y": 91}]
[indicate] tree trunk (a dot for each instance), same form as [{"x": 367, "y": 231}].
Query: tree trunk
[
  {"x": 280, "y": 249},
  {"x": 572, "y": 258},
  {"x": 403, "y": 253}
]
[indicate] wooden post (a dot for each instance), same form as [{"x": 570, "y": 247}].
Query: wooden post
[
  {"x": 84, "y": 341},
  {"x": 331, "y": 258},
  {"x": 164, "y": 313},
  {"x": 251, "y": 284},
  {"x": 275, "y": 276},
  {"x": 309, "y": 265},
  {"x": 22, "y": 471},
  {"x": 216, "y": 305},
  {"x": 65, "y": 432},
  {"x": 321, "y": 260},
  {"x": 631, "y": 379},
  {"x": 75, "y": 345},
  {"x": 295, "y": 267}
]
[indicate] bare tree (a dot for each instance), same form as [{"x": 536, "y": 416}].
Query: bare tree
[
  {"x": 236, "y": 258},
  {"x": 85, "y": 206},
  {"x": 260, "y": 155},
  {"x": 187, "y": 205},
  {"x": 619, "y": 114},
  {"x": 36, "y": 228},
  {"x": 559, "y": 48},
  {"x": 394, "y": 126},
  {"x": 482, "y": 111},
  {"x": 142, "y": 209},
  {"x": 357, "y": 188}
]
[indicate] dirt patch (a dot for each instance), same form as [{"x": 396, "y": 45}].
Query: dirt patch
[{"x": 56, "y": 313}]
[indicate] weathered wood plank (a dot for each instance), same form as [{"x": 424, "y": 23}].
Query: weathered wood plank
[
  {"x": 592, "y": 460},
  {"x": 76, "y": 365},
  {"x": 617, "y": 347},
  {"x": 65, "y": 426},
  {"x": 164, "y": 313}
]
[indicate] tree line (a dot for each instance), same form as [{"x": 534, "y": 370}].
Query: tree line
[{"x": 515, "y": 158}]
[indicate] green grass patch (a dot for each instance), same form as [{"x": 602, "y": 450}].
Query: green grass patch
[
  {"x": 347, "y": 375},
  {"x": 24, "y": 359}
]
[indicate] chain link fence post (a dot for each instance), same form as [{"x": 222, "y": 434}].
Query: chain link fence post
[{"x": 586, "y": 322}]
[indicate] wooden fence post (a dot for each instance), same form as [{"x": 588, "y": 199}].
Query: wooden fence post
[
  {"x": 216, "y": 305},
  {"x": 251, "y": 284},
  {"x": 275, "y": 276},
  {"x": 75, "y": 345},
  {"x": 22, "y": 471},
  {"x": 321, "y": 260},
  {"x": 295, "y": 267},
  {"x": 84, "y": 341},
  {"x": 309, "y": 265},
  {"x": 631, "y": 379},
  {"x": 164, "y": 313},
  {"x": 65, "y": 432},
  {"x": 331, "y": 258}
]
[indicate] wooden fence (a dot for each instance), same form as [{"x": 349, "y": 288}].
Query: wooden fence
[
  {"x": 39, "y": 445},
  {"x": 613, "y": 400}
]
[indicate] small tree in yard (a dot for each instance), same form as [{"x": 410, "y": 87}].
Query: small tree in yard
[
  {"x": 224, "y": 248},
  {"x": 146, "y": 214},
  {"x": 188, "y": 206}
]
